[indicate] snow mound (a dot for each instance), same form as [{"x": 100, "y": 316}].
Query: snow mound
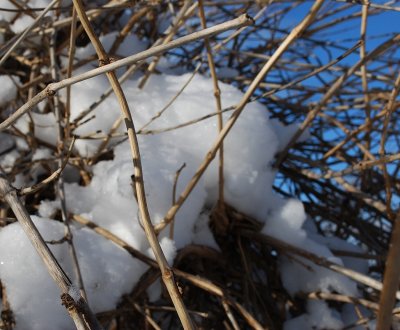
[{"x": 109, "y": 200}]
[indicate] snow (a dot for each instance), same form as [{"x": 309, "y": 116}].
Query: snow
[
  {"x": 286, "y": 223},
  {"x": 108, "y": 272},
  {"x": 314, "y": 278},
  {"x": 6, "y": 143},
  {"x": 41, "y": 153},
  {"x": 48, "y": 208},
  {"x": 350, "y": 316},
  {"x": 168, "y": 248},
  {"x": 286, "y": 132},
  {"x": 8, "y": 90},
  {"x": 74, "y": 292},
  {"x": 7, "y": 15},
  {"x": 108, "y": 200},
  {"x": 21, "y": 24},
  {"x": 226, "y": 73},
  {"x": 202, "y": 234},
  {"x": 319, "y": 316},
  {"x": 129, "y": 46},
  {"x": 44, "y": 126},
  {"x": 8, "y": 160}
]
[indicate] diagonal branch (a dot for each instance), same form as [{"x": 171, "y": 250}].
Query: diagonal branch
[
  {"x": 78, "y": 310},
  {"x": 51, "y": 89}
]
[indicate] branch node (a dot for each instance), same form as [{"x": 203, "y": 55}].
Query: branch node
[
  {"x": 68, "y": 301},
  {"x": 50, "y": 92},
  {"x": 104, "y": 61}
]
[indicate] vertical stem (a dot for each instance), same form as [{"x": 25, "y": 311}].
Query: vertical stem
[
  {"x": 390, "y": 107},
  {"x": 217, "y": 95},
  {"x": 366, "y": 176},
  {"x": 364, "y": 72},
  {"x": 71, "y": 53},
  {"x": 391, "y": 279},
  {"x": 60, "y": 181},
  {"x": 166, "y": 271}
]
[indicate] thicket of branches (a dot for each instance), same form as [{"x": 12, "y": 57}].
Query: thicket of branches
[{"x": 339, "y": 79}]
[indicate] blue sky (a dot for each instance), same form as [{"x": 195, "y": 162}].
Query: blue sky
[{"x": 380, "y": 27}]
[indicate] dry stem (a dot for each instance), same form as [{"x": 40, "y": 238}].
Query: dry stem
[
  {"x": 167, "y": 274},
  {"x": 78, "y": 310}
]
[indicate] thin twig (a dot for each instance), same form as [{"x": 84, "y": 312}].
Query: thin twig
[
  {"x": 50, "y": 178},
  {"x": 177, "y": 174},
  {"x": 217, "y": 95},
  {"x": 331, "y": 91},
  {"x": 167, "y": 274},
  {"x": 78, "y": 310},
  {"x": 238, "y": 110},
  {"x": 60, "y": 182},
  {"x": 26, "y": 32},
  {"x": 52, "y": 88},
  {"x": 196, "y": 280},
  {"x": 184, "y": 13}
]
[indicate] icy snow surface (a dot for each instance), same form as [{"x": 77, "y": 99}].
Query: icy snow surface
[{"x": 108, "y": 200}]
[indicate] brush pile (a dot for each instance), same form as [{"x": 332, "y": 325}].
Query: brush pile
[{"x": 198, "y": 164}]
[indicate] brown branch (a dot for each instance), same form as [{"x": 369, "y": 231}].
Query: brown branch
[{"x": 391, "y": 279}]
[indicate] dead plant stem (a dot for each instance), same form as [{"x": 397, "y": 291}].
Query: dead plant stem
[{"x": 167, "y": 274}]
